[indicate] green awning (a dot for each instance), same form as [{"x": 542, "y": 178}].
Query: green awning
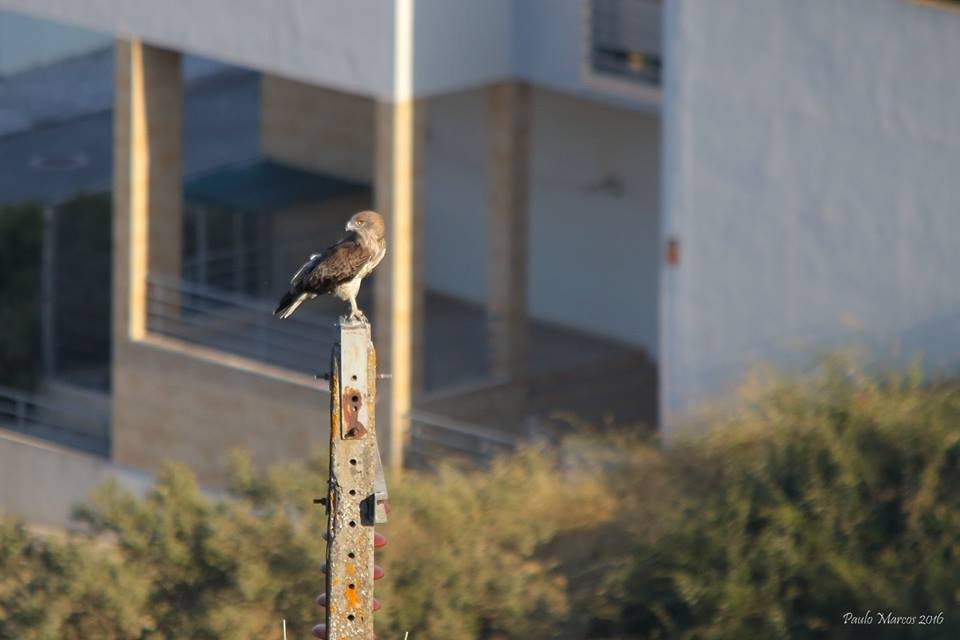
[{"x": 263, "y": 186}]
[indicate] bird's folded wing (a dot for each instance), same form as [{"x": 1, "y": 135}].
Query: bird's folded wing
[
  {"x": 340, "y": 263},
  {"x": 307, "y": 267}
]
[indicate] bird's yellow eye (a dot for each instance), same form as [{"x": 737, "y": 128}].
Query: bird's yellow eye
[{"x": 359, "y": 223}]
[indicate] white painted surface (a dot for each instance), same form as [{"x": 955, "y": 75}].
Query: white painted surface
[
  {"x": 460, "y": 44},
  {"x": 354, "y": 46},
  {"x": 27, "y": 42},
  {"x": 342, "y": 45},
  {"x": 41, "y": 482},
  {"x": 810, "y": 172},
  {"x": 550, "y": 40},
  {"x": 593, "y": 208}
]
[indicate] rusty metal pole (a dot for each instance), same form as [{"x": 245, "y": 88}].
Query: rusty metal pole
[{"x": 357, "y": 492}]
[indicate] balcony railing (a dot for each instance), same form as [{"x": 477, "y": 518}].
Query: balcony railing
[
  {"x": 434, "y": 437},
  {"x": 32, "y": 415},
  {"x": 239, "y": 325}
]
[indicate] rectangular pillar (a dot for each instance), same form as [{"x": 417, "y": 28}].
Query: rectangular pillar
[
  {"x": 399, "y": 295},
  {"x": 147, "y": 190},
  {"x": 508, "y": 174}
]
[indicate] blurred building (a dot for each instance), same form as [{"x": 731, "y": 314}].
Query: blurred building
[
  {"x": 808, "y": 178},
  {"x": 513, "y": 147},
  {"x": 604, "y": 209}
]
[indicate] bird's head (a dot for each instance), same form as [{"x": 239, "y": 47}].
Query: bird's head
[{"x": 367, "y": 223}]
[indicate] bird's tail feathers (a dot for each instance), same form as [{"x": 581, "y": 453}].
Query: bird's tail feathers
[{"x": 289, "y": 304}]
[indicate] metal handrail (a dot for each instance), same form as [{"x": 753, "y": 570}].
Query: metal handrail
[
  {"x": 22, "y": 418},
  {"x": 263, "y": 321},
  {"x": 430, "y": 432},
  {"x": 227, "y": 334},
  {"x": 232, "y": 323},
  {"x": 213, "y": 293},
  {"x": 464, "y": 428},
  {"x": 24, "y": 398}
]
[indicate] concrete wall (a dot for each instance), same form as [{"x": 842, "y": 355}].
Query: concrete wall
[
  {"x": 593, "y": 196},
  {"x": 550, "y": 49},
  {"x": 176, "y": 402},
  {"x": 593, "y": 185},
  {"x": 593, "y": 206},
  {"x": 41, "y": 483},
  {"x": 173, "y": 400},
  {"x": 344, "y": 45},
  {"x": 810, "y": 174},
  {"x": 457, "y": 45},
  {"x": 27, "y": 42},
  {"x": 317, "y": 128},
  {"x": 353, "y": 46}
]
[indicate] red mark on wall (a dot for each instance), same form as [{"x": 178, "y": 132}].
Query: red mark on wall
[{"x": 673, "y": 252}]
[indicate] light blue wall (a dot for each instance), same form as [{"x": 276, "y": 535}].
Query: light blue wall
[
  {"x": 812, "y": 174},
  {"x": 350, "y": 44},
  {"x": 594, "y": 211},
  {"x": 342, "y": 45},
  {"x": 27, "y": 42},
  {"x": 460, "y": 44},
  {"x": 550, "y": 50}
]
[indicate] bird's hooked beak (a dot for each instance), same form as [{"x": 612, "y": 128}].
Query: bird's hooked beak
[{"x": 351, "y": 226}]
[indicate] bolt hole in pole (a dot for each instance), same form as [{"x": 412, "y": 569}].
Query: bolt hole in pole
[{"x": 353, "y": 458}]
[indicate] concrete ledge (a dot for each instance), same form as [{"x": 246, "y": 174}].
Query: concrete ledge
[
  {"x": 239, "y": 363},
  {"x": 41, "y": 482}
]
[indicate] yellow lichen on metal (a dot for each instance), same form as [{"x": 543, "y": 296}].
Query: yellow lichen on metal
[
  {"x": 353, "y": 471},
  {"x": 353, "y": 598}
]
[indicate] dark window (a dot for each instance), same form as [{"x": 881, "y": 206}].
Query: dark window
[{"x": 625, "y": 39}]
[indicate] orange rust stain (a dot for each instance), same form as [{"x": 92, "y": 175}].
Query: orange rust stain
[
  {"x": 353, "y": 599},
  {"x": 351, "y": 569},
  {"x": 335, "y": 410}
]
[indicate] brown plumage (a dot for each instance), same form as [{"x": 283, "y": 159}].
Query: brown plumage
[{"x": 341, "y": 268}]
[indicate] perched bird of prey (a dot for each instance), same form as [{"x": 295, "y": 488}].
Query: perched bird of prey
[{"x": 340, "y": 268}]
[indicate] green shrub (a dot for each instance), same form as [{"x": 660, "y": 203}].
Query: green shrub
[
  {"x": 231, "y": 568},
  {"x": 817, "y": 497},
  {"x": 463, "y": 561},
  {"x": 477, "y": 554},
  {"x": 52, "y": 588}
]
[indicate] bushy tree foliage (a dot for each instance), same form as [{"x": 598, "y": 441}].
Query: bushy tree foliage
[
  {"x": 812, "y": 499},
  {"x": 55, "y": 588},
  {"x": 817, "y": 498}
]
